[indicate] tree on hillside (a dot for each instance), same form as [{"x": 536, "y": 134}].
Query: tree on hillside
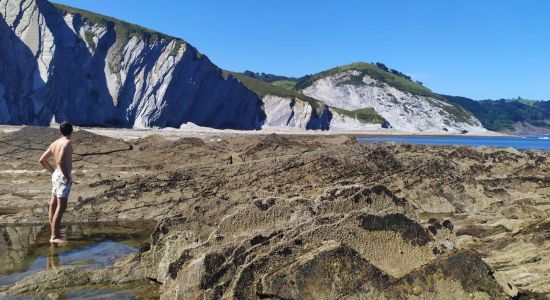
[{"x": 382, "y": 66}]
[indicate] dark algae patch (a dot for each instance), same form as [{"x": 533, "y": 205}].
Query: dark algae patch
[{"x": 408, "y": 229}]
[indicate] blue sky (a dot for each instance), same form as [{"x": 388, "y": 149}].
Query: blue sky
[{"x": 478, "y": 49}]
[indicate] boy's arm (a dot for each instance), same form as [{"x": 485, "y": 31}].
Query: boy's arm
[
  {"x": 62, "y": 162},
  {"x": 44, "y": 160}
]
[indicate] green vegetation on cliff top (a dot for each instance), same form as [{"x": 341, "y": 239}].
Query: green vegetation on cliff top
[
  {"x": 365, "y": 115},
  {"x": 501, "y": 115},
  {"x": 90, "y": 39},
  {"x": 286, "y": 84},
  {"x": 269, "y": 78},
  {"x": 374, "y": 72},
  {"x": 124, "y": 30},
  {"x": 262, "y": 89}
]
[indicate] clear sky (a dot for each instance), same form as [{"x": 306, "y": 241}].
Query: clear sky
[{"x": 474, "y": 48}]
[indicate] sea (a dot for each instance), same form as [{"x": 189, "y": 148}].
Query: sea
[{"x": 529, "y": 142}]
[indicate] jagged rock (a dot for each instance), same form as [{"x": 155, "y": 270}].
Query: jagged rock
[
  {"x": 222, "y": 229},
  {"x": 331, "y": 271},
  {"x": 165, "y": 261},
  {"x": 458, "y": 275}
]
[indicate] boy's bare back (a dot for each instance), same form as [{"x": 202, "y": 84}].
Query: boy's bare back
[{"x": 62, "y": 152}]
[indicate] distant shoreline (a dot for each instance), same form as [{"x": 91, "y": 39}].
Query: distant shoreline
[{"x": 175, "y": 133}]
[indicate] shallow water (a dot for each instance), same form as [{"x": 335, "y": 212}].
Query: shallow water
[
  {"x": 84, "y": 294},
  {"x": 25, "y": 250},
  {"x": 128, "y": 292},
  {"x": 534, "y": 142}
]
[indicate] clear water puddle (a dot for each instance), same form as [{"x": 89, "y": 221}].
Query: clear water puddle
[
  {"x": 85, "y": 294},
  {"x": 25, "y": 250}
]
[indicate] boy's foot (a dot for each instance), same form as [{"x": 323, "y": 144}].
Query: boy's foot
[{"x": 57, "y": 241}]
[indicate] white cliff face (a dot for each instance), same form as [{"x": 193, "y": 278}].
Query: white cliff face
[
  {"x": 286, "y": 112},
  {"x": 29, "y": 25},
  {"x": 58, "y": 65},
  {"x": 296, "y": 113},
  {"x": 69, "y": 68},
  {"x": 404, "y": 111}
]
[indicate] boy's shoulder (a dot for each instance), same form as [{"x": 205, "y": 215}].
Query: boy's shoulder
[{"x": 61, "y": 142}]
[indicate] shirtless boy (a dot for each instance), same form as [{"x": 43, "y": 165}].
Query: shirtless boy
[{"x": 62, "y": 152}]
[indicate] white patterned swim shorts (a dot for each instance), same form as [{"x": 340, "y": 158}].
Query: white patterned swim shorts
[{"x": 60, "y": 188}]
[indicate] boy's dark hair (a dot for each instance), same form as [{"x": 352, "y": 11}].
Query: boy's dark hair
[{"x": 66, "y": 128}]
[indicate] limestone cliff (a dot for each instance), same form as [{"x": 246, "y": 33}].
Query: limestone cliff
[
  {"x": 58, "y": 63},
  {"x": 406, "y": 105},
  {"x": 290, "y": 109}
]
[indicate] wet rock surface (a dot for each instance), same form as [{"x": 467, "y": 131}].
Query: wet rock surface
[{"x": 299, "y": 217}]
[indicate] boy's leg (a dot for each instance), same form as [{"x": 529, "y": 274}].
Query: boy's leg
[
  {"x": 61, "y": 207},
  {"x": 51, "y": 213}
]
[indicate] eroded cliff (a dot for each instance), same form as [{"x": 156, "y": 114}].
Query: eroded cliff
[{"x": 58, "y": 63}]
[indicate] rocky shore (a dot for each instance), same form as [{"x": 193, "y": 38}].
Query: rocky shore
[{"x": 297, "y": 217}]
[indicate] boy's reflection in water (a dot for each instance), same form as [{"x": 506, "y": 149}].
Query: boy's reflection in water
[
  {"x": 54, "y": 264},
  {"x": 53, "y": 258}
]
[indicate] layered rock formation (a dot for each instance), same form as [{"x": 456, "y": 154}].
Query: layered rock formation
[
  {"x": 294, "y": 113},
  {"x": 67, "y": 64},
  {"x": 289, "y": 217},
  {"x": 63, "y": 64},
  {"x": 351, "y": 88},
  {"x": 290, "y": 109}
]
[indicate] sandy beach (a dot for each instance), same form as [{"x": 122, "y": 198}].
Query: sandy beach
[{"x": 203, "y": 132}]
